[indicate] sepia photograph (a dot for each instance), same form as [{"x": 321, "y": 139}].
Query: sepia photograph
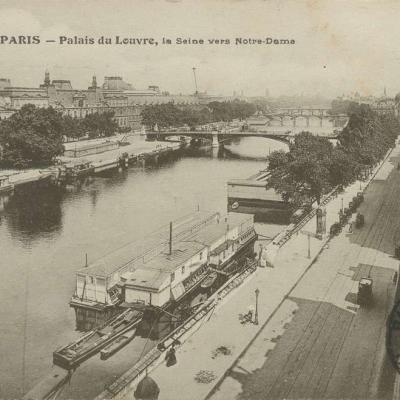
[{"x": 199, "y": 199}]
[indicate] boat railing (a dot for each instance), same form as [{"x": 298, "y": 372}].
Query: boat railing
[{"x": 161, "y": 243}]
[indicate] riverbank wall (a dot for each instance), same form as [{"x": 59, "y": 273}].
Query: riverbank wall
[{"x": 115, "y": 156}]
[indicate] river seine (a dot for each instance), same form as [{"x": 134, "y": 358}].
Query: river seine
[{"x": 45, "y": 233}]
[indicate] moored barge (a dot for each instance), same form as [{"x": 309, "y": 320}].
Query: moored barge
[
  {"x": 72, "y": 355},
  {"x": 162, "y": 268},
  {"x": 73, "y": 171},
  {"x": 156, "y": 282},
  {"x": 118, "y": 344}
]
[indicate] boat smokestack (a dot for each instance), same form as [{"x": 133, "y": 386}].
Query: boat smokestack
[{"x": 170, "y": 238}]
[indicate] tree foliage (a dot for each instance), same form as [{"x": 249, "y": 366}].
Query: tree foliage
[
  {"x": 170, "y": 115},
  {"x": 98, "y": 124},
  {"x": 303, "y": 173},
  {"x": 343, "y": 107},
  {"x": 31, "y": 137},
  {"x": 313, "y": 166}
]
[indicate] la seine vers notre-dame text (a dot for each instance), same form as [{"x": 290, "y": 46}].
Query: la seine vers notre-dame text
[{"x": 141, "y": 41}]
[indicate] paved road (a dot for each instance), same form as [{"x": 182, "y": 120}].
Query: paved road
[{"x": 320, "y": 344}]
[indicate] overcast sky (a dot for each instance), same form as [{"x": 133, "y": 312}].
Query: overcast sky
[{"x": 341, "y": 46}]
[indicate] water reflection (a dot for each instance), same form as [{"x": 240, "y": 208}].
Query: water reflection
[{"x": 34, "y": 211}]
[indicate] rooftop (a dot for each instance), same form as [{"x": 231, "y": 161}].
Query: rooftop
[{"x": 190, "y": 235}]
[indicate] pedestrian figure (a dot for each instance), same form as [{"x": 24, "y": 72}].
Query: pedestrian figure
[
  {"x": 170, "y": 357},
  {"x": 350, "y": 227},
  {"x": 250, "y": 313}
]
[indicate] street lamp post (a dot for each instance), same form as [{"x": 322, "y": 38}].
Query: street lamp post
[
  {"x": 342, "y": 204},
  {"x": 256, "y": 313}
]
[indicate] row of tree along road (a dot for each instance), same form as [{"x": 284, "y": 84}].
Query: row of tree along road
[{"x": 313, "y": 165}]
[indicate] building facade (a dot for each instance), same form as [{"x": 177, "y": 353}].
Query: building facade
[{"x": 115, "y": 95}]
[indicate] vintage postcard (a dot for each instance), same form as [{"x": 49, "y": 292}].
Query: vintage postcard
[{"x": 199, "y": 200}]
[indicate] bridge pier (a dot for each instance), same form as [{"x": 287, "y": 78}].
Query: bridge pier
[{"x": 215, "y": 140}]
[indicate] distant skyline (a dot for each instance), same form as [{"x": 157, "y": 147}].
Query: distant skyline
[{"x": 340, "y": 47}]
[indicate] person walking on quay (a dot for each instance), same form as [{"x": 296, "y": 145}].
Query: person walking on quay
[
  {"x": 248, "y": 317},
  {"x": 170, "y": 357}
]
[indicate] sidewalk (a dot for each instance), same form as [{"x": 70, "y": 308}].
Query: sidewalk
[
  {"x": 319, "y": 343},
  {"x": 213, "y": 349}
]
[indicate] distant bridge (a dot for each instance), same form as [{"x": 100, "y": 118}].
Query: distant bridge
[
  {"x": 282, "y": 125},
  {"x": 306, "y": 111},
  {"x": 294, "y": 117},
  {"x": 218, "y": 137}
]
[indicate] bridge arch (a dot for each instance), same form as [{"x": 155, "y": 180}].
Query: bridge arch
[
  {"x": 287, "y": 120},
  {"x": 315, "y": 121},
  {"x": 301, "y": 121},
  {"x": 275, "y": 121}
]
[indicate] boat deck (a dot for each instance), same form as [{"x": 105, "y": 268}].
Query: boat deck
[{"x": 72, "y": 355}]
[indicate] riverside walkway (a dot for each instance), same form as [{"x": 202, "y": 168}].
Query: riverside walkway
[
  {"x": 215, "y": 361},
  {"x": 319, "y": 343}
]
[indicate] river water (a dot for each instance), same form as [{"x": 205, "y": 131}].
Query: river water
[{"x": 45, "y": 233}]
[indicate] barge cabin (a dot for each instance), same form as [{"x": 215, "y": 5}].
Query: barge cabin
[
  {"x": 5, "y": 185},
  {"x": 173, "y": 263}
]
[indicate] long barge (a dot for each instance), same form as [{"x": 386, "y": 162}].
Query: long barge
[
  {"x": 74, "y": 354},
  {"x": 192, "y": 258}
]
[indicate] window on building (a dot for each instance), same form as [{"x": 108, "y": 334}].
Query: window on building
[
  {"x": 172, "y": 276},
  {"x": 183, "y": 270},
  {"x": 201, "y": 255}
]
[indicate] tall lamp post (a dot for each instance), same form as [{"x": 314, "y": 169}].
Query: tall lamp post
[{"x": 256, "y": 313}]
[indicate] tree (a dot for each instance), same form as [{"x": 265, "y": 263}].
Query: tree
[
  {"x": 313, "y": 166},
  {"x": 31, "y": 137},
  {"x": 303, "y": 173},
  {"x": 368, "y": 136},
  {"x": 169, "y": 115},
  {"x": 99, "y": 124},
  {"x": 343, "y": 169},
  {"x": 73, "y": 127},
  {"x": 162, "y": 115}
]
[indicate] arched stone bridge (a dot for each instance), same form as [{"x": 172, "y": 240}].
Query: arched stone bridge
[
  {"x": 281, "y": 125},
  {"x": 219, "y": 137},
  {"x": 300, "y": 117}
]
